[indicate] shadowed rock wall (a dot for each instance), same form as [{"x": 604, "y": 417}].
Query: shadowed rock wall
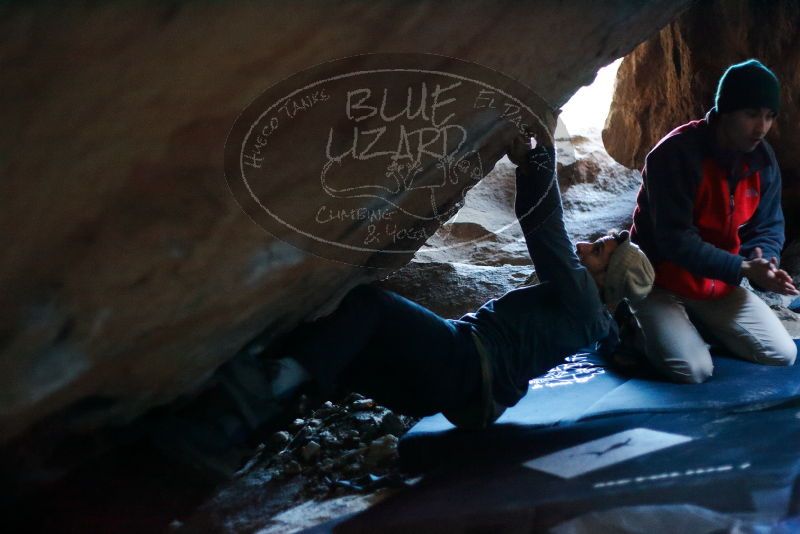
[
  {"x": 671, "y": 79},
  {"x": 129, "y": 272}
]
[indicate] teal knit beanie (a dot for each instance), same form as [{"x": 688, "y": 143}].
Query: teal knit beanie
[{"x": 748, "y": 85}]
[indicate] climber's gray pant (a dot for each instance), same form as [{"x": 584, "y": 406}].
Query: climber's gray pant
[{"x": 741, "y": 322}]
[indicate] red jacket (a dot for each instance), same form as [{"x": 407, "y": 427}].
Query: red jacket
[{"x": 701, "y": 211}]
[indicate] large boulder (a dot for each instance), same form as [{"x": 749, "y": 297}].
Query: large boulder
[
  {"x": 481, "y": 252},
  {"x": 671, "y": 79},
  {"x": 129, "y": 272}
]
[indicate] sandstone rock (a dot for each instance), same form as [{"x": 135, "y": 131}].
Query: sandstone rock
[
  {"x": 362, "y": 404},
  {"x": 327, "y": 466},
  {"x": 599, "y": 194},
  {"x": 279, "y": 440},
  {"x": 671, "y": 79},
  {"x": 293, "y": 468},
  {"x": 481, "y": 253},
  {"x": 352, "y": 397},
  {"x": 368, "y": 423},
  {"x": 477, "y": 255},
  {"x": 452, "y": 289},
  {"x": 485, "y": 231},
  {"x": 350, "y": 438},
  {"x": 392, "y": 424},
  {"x": 354, "y": 468},
  {"x": 329, "y": 440},
  {"x": 313, "y": 422},
  {"x": 129, "y": 273},
  {"x": 381, "y": 450},
  {"x": 303, "y": 436},
  {"x": 311, "y": 451}
]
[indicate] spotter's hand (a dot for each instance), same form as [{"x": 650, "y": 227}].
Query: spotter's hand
[{"x": 766, "y": 275}]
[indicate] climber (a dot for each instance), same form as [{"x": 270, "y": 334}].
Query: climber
[
  {"x": 472, "y": 368},
  {"x": 418, "y": 363}
]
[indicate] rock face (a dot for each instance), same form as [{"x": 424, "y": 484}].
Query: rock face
[
  {"x": 481, "y": 253},
  {"x": 477, "y": 255},
  {"x": 671, "y": 79},
  {"x": 598, "y": 193},
  {"x": 129, "y": 273},
  {"x": 453, "y": 289}
]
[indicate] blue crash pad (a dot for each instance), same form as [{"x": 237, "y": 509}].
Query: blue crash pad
[
  {"x": 743, "y": 464},
  {"x": 605, "y": 392}
]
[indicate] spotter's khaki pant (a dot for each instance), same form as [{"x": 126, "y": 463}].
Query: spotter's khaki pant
[{"x": 674, "y": 329}]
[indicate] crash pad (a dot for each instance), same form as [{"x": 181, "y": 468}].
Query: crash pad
[
  {"x": 712, "y": 470},
  {"x": 595, "y": 389},
  {"x": 739, "y": 465}
]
